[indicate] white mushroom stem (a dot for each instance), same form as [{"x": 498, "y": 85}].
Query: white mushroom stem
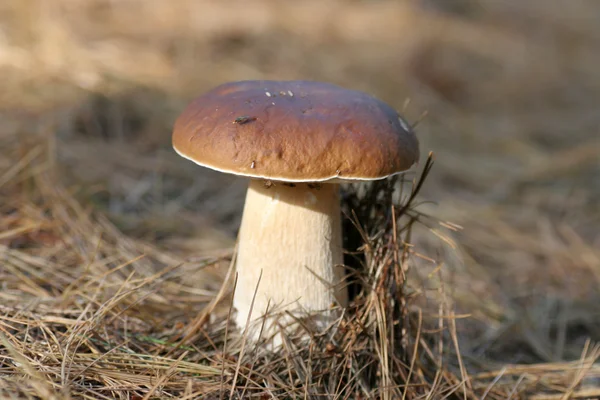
[{"x": 293, "y": 235}]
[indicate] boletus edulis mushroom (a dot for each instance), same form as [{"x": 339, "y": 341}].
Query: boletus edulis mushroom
[{"x": 296, "y": 141}]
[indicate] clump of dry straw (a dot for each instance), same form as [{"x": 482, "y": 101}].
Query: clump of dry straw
[{"x": 87, "y": 312}]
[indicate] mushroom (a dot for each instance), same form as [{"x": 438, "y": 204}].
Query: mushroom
[{"x": 296, "y": 141}]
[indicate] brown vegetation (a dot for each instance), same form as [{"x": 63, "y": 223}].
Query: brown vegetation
[{"x": 113, "y": 250}]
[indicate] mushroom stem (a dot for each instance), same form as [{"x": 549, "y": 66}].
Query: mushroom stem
[{"x": 292, "y": 233}]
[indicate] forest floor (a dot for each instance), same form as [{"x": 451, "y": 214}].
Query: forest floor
[{"x": 114, "y": 250}]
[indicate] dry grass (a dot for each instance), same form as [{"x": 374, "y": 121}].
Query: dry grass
[
  {"x": 88, "y": 312},
  {"x": 113, "y": 251}
]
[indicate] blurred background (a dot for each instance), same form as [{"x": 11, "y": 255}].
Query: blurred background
[{"x": 505, "y": 93}]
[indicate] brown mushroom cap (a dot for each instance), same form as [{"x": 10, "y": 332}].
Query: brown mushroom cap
[{"x": 295, "y": 131}]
